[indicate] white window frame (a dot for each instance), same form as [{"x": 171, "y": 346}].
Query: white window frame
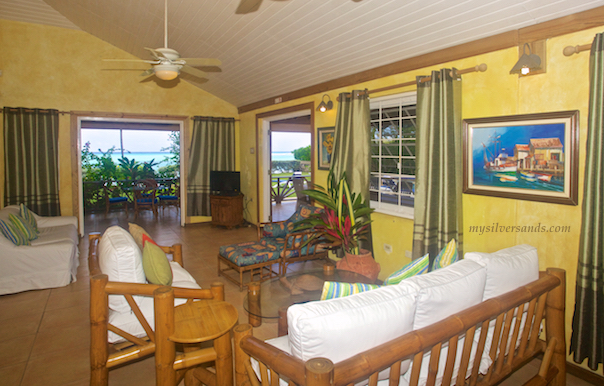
[{"x": 402, "y": 99}]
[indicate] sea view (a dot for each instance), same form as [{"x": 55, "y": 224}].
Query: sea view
[{"x": 160, "y": 156}]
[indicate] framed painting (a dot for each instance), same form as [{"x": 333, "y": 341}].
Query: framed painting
[
  {"x": 325, "y": 145},
  {"x": 526, "y": 157}
]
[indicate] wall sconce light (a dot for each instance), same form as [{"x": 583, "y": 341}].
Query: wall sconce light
[
  {"x": 527, "y": 63},
  {"x": 324, "y": 106}
]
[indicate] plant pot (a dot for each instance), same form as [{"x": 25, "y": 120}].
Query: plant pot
[{"x": 363, "y": 264}]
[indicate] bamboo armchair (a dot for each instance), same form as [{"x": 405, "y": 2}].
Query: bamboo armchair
[
  {"x": 105, "y": 356},
  {"x": 542, "y": 300}
]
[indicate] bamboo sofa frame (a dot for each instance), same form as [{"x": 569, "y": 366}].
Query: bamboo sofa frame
[
  {"x": 544, "y": 299},
  {"x": 105, "y": 356}
]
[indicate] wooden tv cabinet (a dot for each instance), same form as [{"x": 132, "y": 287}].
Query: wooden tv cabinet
[{"x": 227, "y": 210}]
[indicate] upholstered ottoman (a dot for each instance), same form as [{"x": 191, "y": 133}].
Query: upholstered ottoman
[{"x": 257, "y": 257}]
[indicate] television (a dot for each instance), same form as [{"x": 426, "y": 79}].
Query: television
[{"x": 223, "y": 183}]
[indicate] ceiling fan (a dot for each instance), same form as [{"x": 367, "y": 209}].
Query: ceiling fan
[
  {"x": 167, "y": 63},
  {"x": 249, "y": 6}
]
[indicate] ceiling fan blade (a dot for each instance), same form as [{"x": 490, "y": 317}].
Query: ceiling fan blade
[
  {"x": 132, "y": 60},
  {"x": 247, "y": 6},
  {"x": 156, "y": 54},
  {"x": 202, "y": 62},
  {"x": 193, "y": 71},
  {"x": 148, "y": 72}
]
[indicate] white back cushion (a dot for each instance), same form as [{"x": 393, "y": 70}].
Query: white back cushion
[
  {"x": 340, "y": 328},
  {"x": 508, "y": 268},
  {"x": 121, "y": 260},
  {"x": 447, "y": 291}
]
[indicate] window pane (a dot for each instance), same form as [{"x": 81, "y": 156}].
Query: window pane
[
  {"x": 375, "y": 148},
  {"x": 390, "y": 130},
  {"x": 408, "y": 128},
  {"x": 374, "y": 183},
  {"x": 389, "y": 198},
  {"x": 390, "y": 112},
  {"x": 409, "y": 148},
  {"x": 375, "y": 130},
  {"x": 391, "y": 148},
  {"x": 375, "y": 165},
  {"x": 408, "y": 167},
  {"x": 389, "y": 165}
]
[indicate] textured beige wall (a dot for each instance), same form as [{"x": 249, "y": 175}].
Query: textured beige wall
[{"x": 49, "y": 67}]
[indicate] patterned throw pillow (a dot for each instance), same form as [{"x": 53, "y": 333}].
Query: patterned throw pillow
[
  {"x": 156, "y": 265},
  {"x": 29, "y": 216},
  {"x": 276, "y": 229},
  {"x": 23, "y": 226},
  {"x": 13, "y": 234},
  {"x": 447, "y": 256},
  {"x": 416, "y": 267},
  {"x": 333, "y": 289}
]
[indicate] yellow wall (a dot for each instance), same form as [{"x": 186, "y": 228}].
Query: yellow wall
[
  {"x": 57, "y": 68},
  {"x": 565, "y": 86}
]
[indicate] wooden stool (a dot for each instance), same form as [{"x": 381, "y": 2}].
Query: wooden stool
[{"x": 192, "y": 323}]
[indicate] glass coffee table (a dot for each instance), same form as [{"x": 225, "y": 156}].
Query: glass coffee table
[{"x": 270, "y": 299}]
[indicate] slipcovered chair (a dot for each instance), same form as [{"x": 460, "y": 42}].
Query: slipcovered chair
[{"x": 277, "y": 244}]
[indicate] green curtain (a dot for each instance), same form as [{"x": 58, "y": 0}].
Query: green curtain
[
  {"x": 351, "y": 146},
  {"x": 587, "y": 340},
  {"x": 438, "y": 175},
  {"x": 212, "y": 148},
  {"x": 31, "y": 163}
]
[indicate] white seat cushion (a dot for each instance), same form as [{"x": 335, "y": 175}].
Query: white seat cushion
[
  {"x": 507, "y": 269},
  {"x": 340, "y": 328},
  {"x": 121, "y": 260},
  {"x": 128, "y": 322}
]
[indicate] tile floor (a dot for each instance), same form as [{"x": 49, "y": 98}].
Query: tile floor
[{"x": 44, "y": 334}]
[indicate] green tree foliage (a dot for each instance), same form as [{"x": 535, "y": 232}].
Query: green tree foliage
[{"x": 302, "y": 154}]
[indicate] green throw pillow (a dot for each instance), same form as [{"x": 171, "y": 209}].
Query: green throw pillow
[
  {"x": 447, "y": 256},
  {"x": 137, "y": 233},
  {"x": 156, "y": 265},
  {"x": 13, "y": 234},
  {"x": 23, "y": 226},
  {"x": 333, "y": 289},
  {"x": 29, "y": 216},
  {"x": 416, "y": 267}
]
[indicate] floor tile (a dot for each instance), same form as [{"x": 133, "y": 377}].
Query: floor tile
[
  {"x": 52, "y": 340},
  {"x": 16, "y": 350},
  {"x": 58, "y": 368},
  {"x": 11, "y": 375},
  {"x": 26, "y": 324}
]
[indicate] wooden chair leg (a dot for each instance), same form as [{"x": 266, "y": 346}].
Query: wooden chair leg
[
  {"x": 99, "y": 351},
  {"x": 165, "y": 350},
  {"x": 241, "y": 377}
]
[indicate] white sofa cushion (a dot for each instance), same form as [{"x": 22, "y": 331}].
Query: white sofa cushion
[
  {"x": 121, "y": 260},
  {"x": 128, "y": 322},
  {"x": 507, "y": 269},
  {"x": 340, "y": 328},
  {"x": 447, "y": 291}
]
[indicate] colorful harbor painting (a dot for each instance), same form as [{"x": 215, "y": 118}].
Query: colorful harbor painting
[{"x": 531, "y": 157}]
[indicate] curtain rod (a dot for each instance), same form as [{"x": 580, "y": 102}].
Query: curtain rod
[
  {"x": 569, "y": 50},
  {"x": 32, "y": 110},
  {"x": 479, "y": 68}
]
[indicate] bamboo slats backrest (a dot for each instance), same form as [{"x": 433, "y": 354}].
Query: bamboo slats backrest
[{"x": 509, "y": 325}]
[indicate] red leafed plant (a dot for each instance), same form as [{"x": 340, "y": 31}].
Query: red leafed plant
[{"x": 345, "y": 217}]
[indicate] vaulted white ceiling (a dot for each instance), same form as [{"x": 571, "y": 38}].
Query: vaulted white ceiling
[{"x": 289, "y": 45}]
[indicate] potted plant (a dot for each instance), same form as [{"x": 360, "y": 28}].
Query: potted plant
[{"x": 343, "y": 221}]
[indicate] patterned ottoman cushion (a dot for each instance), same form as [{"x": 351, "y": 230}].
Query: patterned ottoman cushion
[{"x": 253, "y": 252}]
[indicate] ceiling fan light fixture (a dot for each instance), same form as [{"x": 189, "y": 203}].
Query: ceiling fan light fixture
[{"x": 166, "y": 71}]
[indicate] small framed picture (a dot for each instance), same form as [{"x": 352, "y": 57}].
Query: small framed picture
[
  {"x": 531, "y": 157},
  {"x": 325, "y": 145}
]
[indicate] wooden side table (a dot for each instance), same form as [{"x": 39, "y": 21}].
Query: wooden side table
[
  {"x": 227, "y": 210},
  {"x": 194, "y": 322}
]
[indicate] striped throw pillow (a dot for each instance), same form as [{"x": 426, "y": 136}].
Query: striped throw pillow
[
  {"x": 29, "y": 216},
  {"x": 23, "y": 226},
  {"x": 416, "y": 267},
  {"x": 333, "y": 289},
  {"x": 13, "y": 234},
  {"x": 447, "y": 256}
]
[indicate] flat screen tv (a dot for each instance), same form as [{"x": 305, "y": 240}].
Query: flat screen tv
[{"x": 223, "y": 183}]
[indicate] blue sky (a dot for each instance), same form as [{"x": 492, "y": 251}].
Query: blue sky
[{"x": 154, "y": 140}]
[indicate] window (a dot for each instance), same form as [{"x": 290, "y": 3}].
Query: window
[{"x": 393, "y": 125}]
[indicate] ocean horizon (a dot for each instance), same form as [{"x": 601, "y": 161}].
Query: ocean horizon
[{"x": 161, "y": 156}]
